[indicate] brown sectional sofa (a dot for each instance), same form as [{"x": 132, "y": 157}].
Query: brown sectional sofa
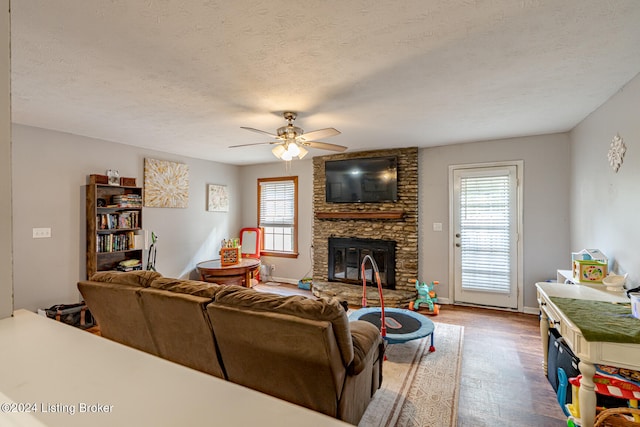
[{"x": 299, "y": 349}]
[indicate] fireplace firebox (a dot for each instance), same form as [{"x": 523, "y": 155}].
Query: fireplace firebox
[{"x": 346, "y": 255}]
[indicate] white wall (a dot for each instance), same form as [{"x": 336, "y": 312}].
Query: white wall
[
  {"x": 287, "y": 269},
  {"x": 6, "y": 267},
  {"x": 605, "y": 204},
  {"x": 546, "y": 205},
  {"x": 50, "y": 170}
]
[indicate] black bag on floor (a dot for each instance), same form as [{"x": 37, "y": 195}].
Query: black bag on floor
[{"x": 77, "y": 315}]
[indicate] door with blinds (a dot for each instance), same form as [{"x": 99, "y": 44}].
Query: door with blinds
[{"x": 486, "y": 230}]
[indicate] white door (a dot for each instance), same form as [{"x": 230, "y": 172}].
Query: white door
[{"x": 485, "y": 237}]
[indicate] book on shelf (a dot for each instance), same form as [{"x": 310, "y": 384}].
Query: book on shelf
[
  {"x": 129, "y": 265},
  {"x": 127, "y": 200},
  {"x": 118, "y": 220},
  {"x": 116, "y": 242}
]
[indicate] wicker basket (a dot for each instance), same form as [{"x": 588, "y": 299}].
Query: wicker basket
[{"x": 613, "y": 418}]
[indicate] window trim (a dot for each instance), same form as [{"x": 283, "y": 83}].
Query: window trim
[{"x": 294, "y": 253}]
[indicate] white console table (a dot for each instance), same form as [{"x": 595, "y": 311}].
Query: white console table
[
  {"x": 589, "y": 352},
  {"x": 57, "y": 375}
]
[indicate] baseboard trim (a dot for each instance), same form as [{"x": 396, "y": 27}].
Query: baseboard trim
[
  {"x": 526, "y": 310},
  {"x": 532, "y": 310},
  {"x": 284, "y": 280}
]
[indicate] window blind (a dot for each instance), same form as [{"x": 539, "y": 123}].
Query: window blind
[
  {"x": 277, "y": 199},
  {"x": 485, "y": 230}
]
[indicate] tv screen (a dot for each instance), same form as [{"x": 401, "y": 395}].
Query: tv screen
[{"x": 363, "y": 180}]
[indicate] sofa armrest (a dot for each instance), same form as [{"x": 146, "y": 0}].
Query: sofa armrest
[{"x": 366, "y": 342}]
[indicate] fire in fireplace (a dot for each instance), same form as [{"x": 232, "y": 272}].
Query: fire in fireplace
[{"x": 345, "y": 259}]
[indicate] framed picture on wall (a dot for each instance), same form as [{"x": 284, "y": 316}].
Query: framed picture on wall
[{"x": 217, "y": 198}]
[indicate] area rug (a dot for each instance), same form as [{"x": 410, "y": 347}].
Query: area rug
[{"x": 419, "y": 388}]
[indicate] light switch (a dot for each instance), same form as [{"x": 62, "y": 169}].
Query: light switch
[
  {"x": 41, "y": 233},
  {"x": 437, "y": 226}
]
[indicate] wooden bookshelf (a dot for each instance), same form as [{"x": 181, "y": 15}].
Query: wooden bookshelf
[{"x": 114, "y": 225}]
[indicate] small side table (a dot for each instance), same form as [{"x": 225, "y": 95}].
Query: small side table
[{"x": 236, "y": 274}]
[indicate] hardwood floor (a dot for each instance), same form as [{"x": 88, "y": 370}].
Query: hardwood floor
[{"x": 502, "y": 381}]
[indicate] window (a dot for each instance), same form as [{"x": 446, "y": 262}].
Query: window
[{"x": 278, "y": 215}]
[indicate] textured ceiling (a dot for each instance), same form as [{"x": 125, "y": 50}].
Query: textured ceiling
[{"x": 183, "y": 76}]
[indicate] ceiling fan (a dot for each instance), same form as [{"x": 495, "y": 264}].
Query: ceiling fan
[{"x": 292, "y": 140}]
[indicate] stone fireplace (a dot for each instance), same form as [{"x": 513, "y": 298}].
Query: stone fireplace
[{"x": 390, "y": 221}]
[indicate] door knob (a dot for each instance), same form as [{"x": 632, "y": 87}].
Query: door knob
[
  {"x": 457, "y": 245},
  {"x": 457, "y": 234}
]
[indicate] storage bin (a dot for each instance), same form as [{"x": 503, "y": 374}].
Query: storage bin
[
  {"x": 635, "y": 304},
  {"x": 552, "y": 357}
]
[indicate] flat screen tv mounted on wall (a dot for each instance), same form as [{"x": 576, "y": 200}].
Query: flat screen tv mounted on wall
[{"x": 362, "y": 180}]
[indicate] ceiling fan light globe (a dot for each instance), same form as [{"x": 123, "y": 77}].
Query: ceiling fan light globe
[
  {"x": 286, "y": 156},
  {"x": 278, "y": 151},
  {"x": 303, "y": 152},
  {"x": 293, "y": 149}
]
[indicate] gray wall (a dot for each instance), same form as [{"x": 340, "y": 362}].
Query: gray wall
[
  {"x": 605, "y": 204},
  {"x": 546, "y": 205},
  {"x": 6, "y": 268},
  {"x": 572, "y": 200},
  {"x": 287, "y": 269},
  {"x": 50, "y": 170}
]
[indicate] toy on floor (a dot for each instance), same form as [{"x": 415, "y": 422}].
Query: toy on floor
[
  {"x": 426, "y": 296},
  {"x": 608, "y": 382}
]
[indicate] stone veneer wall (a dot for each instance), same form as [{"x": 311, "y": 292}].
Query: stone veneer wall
[{"x": 404, "y": 231}]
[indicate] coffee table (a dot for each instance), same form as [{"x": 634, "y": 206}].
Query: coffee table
[{"x": 237, "y": 274}]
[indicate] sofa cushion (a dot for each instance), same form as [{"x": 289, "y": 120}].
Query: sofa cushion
[
  {"x": 190, "y": 287},
  {"x": 116, "y": 308},
  {"x": 133, "y": 278},
  {"x": 284, "y": 355},
  {"x": 180, "y": 328},
  {"x": 328, "y": 310}
]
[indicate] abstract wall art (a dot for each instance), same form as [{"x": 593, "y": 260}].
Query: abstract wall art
[{"x": 166, "y": 184}]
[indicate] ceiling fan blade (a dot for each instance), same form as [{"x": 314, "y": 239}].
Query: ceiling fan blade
[
  {"x": 318, "y": 134},
  {"x": 324, "y": 146},
  {"x": 260, "y": 131},
  {"x": 255, "y": 143}
]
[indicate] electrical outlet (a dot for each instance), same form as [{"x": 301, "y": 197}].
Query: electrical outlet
[
  {"x": 437, "y": 226},
  {"x": 41, "y": 233}
]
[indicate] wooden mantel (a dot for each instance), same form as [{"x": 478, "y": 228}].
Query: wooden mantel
[{"x": 361, "y": 215}]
